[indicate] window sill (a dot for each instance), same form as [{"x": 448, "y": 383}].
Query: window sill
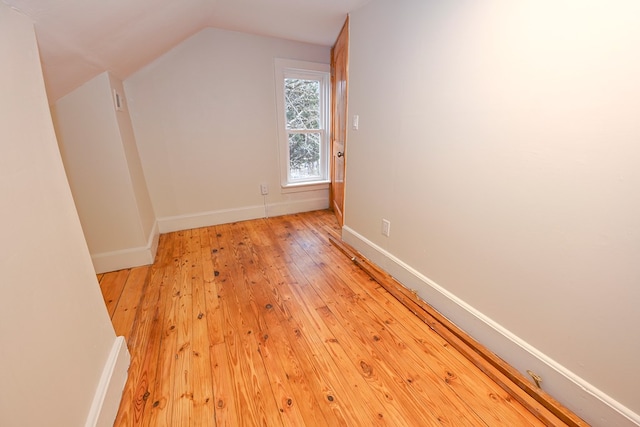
[{"x": 305, "y": 186}]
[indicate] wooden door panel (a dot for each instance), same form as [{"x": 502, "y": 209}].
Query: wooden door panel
[{"x": 339, "y": 74}]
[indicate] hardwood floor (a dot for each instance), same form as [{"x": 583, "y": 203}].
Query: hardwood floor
[{"x": 266, "y": 323}]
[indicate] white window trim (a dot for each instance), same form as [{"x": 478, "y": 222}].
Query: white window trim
[
  {"x": 306, "y": 186},
  {"x": 297, "y": 69}
]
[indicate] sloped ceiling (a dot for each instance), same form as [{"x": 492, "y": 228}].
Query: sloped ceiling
[{"x": 80, "y": 39}]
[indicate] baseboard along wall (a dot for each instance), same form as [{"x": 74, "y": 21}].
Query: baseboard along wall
[
  {"x": 106, "y": 400},
  {"x": 144, "y": 255},
  {"x": 130, "y": 257},
  {"x": 581, "y": 397},
  {"x": 225, "y": 216}
]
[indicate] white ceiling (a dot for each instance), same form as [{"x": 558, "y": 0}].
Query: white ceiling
[{"x": 80, "y": 39}]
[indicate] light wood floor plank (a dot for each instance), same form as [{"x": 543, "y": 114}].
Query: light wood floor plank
[
  {"x": 265, "y": 323},
  {"x": 381, "y": 404},
  {"x": 286, "y": 360},
  {"x": 326, "y": 380},
  {"x": 365, "y": 330},
  {"x": 253, "y": 392},
  {"x": 125, "y": 311},
  {"x": 271, "y": 343},
  {"x": 203, "y": 402},
  {"x": 143, "y": 345},
  {"x": 111, "y": 286},
  {"x": 163, "y": 384},
  {"x": 441, "y": 371}
]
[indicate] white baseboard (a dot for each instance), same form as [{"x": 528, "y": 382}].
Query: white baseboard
[
  {"x": 288, "y": 208},
  {"x": 153, "y": 241},
  {"x": 225, "y": 216},
  {"x": 106, "y": 400},
  {"x": 594, "y": 406},
  {"x": 128, "y": 258}
]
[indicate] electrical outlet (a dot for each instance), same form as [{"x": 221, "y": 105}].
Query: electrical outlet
[
  {"x": 264, "y": 189},
  {"x": 386, "y": 227}
]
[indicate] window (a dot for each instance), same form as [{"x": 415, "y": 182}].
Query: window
[{"x": 303, "y": 122}]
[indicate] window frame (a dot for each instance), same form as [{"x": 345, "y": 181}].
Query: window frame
[{"x": 286, "y": 68}]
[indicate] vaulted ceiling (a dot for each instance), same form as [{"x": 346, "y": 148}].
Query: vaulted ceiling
[{"x": 80, "y": 39}]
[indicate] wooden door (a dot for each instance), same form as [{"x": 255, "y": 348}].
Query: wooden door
[{"x": 339, "y": 80}]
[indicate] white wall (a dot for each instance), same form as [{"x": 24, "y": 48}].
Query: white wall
[
  {"x": 501, "y": 140},
  {"x": 102, "y": 164},
  {"x": 55, "y": 333},
  {"x": 143, "y": 202},
  {"x": 205, "y": 124}
]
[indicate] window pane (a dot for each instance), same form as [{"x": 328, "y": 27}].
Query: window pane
[
  {"x": 302, "y": 103},
  {"x": 304, "y": 155}
]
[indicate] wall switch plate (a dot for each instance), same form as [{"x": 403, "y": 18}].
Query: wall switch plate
[
  {"x": 386, "y": 227},
  {"x": 355, "y": 124},
  {"x": 264, "y": 189}
]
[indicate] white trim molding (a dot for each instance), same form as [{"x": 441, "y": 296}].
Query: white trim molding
[
  {"x": 225, "y": 216},
  {"x": 106, "y": 400},
  {"x": 321, "y": 72},
  {"x": 128, "y": 258},
  {"x": 593, "y": 405}
]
